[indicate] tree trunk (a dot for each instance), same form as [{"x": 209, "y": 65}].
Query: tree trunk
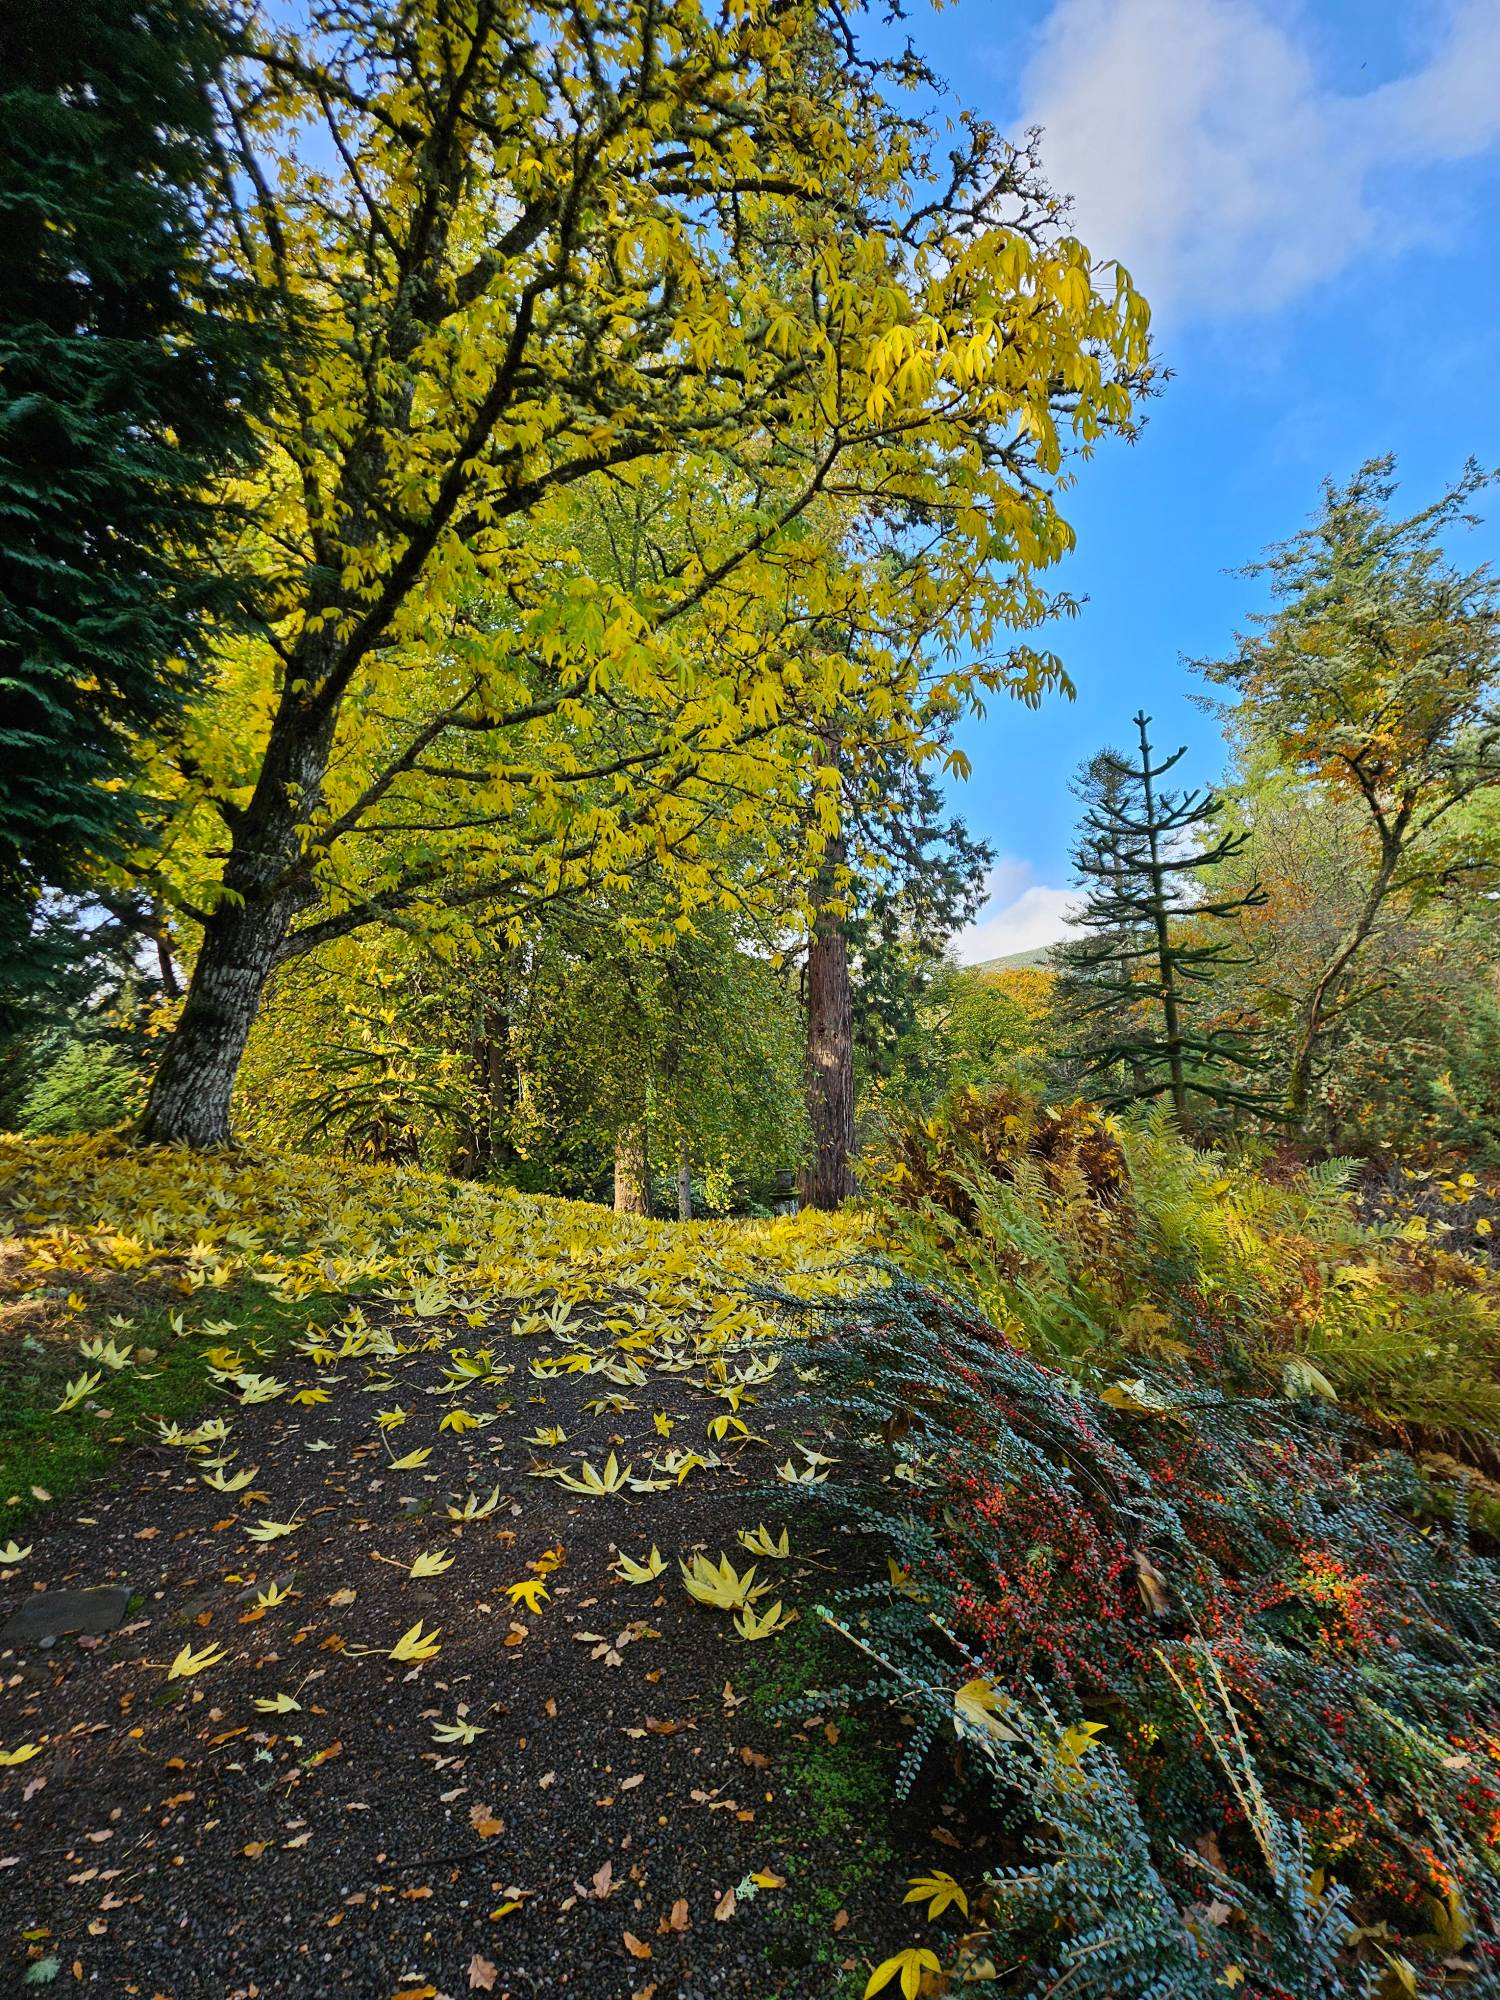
[
  {"x": 632, "y": 1171},
  {"x": 828, "y": 1179},
  {"x": 684, "y": 1185},
  {"x": 1316, "y": 1008},
  {"x": 194, "y": 1082},
  {"x": 262, "y": 887},
  {"x": 1165, "y": 964}
]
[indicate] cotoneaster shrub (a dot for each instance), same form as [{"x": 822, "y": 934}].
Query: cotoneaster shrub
[{"x": 1229, "y": 1692}]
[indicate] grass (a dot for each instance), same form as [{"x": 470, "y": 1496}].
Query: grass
[{"x": 43, "y": 1459}]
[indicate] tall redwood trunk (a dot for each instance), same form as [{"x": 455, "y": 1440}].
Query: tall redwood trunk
[
  {"x": 828, "y": 1178},
  {"x": 632, "y": 1171}
]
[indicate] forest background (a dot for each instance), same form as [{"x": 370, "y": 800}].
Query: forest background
[{"x": 557, "y": 901}]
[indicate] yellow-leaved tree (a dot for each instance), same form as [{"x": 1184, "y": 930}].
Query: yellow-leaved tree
[{"x": 554, "y": 264}]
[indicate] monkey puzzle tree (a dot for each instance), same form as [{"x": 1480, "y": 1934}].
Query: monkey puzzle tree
[
  {"x": 547, "y": 248},
  {"x": 1126, "y": 987}
]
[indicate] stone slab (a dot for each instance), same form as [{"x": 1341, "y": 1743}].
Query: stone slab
[{"x": 52, "y": 1614}]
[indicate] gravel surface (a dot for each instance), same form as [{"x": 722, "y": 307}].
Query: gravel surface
[{"x": 601, "y": 1837}]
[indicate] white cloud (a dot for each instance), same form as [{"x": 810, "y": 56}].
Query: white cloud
[
  {"x": 1204, "y": 151},
  {"x": 1018, "y": 914}
]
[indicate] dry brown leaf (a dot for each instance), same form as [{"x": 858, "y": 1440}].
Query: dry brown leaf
[
  {"x": 635, "y": 1947},
  {"x": 483, "y": 1972},
  {"x": 482, "y": 1819},
  {"x": 679, "y": 1918},
  {"x": 604, "y": 1882},
  {"x": 725, "y": 1907}
]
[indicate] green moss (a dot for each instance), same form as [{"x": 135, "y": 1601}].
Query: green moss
[
  {"x": 831, "y": 1809},
  {"x": 45, "y": 1455}
]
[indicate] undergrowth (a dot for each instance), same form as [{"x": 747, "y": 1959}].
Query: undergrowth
[
  {"x": 1231, "y": 1694},
  {"x": 1097, "y": 1243}
]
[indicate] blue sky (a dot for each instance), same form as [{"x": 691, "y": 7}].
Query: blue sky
[{"x": 1308, "y": 191}]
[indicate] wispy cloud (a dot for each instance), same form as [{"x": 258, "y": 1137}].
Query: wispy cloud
[
  {"x": 1019, "y": 914},
  {"x": 1205, "y": 152}
]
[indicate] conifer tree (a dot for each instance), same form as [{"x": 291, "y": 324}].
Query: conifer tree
[
  {"x": 1128, "y": 988},
  {"x": 126, "y": 372}
]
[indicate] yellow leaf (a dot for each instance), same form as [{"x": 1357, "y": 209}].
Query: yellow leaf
[
  {"x": 188, "y": 1663},
  {"x": 938, "y": 1890},
  {"x": 629, "y": 1571},
  {"x": 431, "y": 1564},
  {"x": 909, "y": 1965},
  {"x": 977, "y": 1706},
  {"x": 416, "y": 1644}
]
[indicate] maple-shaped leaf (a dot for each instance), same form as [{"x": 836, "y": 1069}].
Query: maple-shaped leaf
[
  {"x": 271, "y": 1531},
  {"x": 22, "y": 1754},
  {"x": 456, "y": 1732},
  {"x": 591, "y": 1480},
  {"x": 13, "y": 1553},
  {"x": 412, "y": 1459},
  {"x": 77, "y": 1389},
  {"x": 908, "y": 1965},
  {"x": 718, "y": 1584},
  {"x": 416, "y": 1644},
  {"x": 277, "y": 1704},
  {"x": 764, "y": 1626},
  {"x": 977, "y": 1708},
  {"x": 759, "y": 1542},
  {"x": 188, "y": 1663},
  {"x": 556, "y": 1435},
  {"x": 221, "y": 1483},
  {"x": 459, "y": 1420},
  {"x": 433, "y": 1563},
  {"x": 937, "y": 1889},
  {"x": 531, "y": 1592},
  {"x": 807, "y": 1475},
  {"x": 629, "y": 1571},
  {"x": 475, "y": 1509},
  {"x": 272, "y": 1595},
  {"x": 259, "y": 1388}
]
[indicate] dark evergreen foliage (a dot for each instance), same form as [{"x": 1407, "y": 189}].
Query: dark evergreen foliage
[
  {"x": 127, "y": 370},
  {"x": 1126, "y": 988}
]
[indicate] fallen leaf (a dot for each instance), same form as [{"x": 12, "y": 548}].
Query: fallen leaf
[
  {"x": 635, "y": 1947},
  {"x": 725, "y": 1907},
  {"x": 483, "y": 1972}
]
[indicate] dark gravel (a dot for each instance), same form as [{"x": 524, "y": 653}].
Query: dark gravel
[{"x": 172, "y": 1840}]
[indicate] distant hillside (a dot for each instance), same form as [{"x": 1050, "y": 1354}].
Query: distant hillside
[{"x": 1015, "y": 960}]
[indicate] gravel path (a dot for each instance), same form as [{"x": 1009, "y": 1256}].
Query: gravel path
[{"x": 632, "y": 1820}]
